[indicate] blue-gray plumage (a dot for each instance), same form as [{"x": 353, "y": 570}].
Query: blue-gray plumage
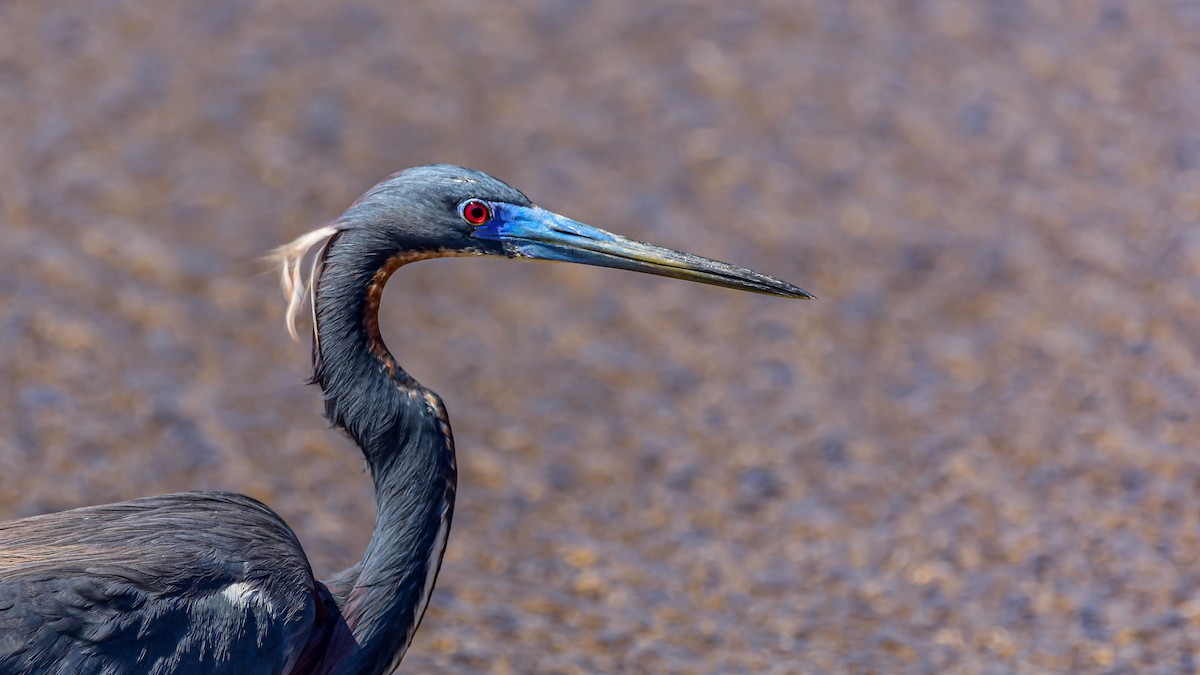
[{"x": 217, "y": 583}]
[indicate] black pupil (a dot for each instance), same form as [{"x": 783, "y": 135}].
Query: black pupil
[{"x": 476, "y": 212}]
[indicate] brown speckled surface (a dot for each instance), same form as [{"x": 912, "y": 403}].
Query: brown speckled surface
[{"x": 975, "y": 453}]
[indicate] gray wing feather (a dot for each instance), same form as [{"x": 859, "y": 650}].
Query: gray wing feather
[{"x": 207, "y": 583}]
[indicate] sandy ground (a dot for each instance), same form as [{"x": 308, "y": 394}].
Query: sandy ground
[{"x": 975, "y": 453}]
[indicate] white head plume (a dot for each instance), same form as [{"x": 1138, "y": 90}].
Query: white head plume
[{"x": 296, "y": 285}]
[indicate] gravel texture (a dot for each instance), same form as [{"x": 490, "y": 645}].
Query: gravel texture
[{"x": 975, "y": 453}]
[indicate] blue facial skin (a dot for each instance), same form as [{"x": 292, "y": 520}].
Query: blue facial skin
[{"x": 532, "y": 232}]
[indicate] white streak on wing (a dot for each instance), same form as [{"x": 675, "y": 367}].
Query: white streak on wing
[{"x": 242, "y": 595}]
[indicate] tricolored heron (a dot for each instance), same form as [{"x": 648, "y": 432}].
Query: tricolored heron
[{"x": 205, "y": 582}]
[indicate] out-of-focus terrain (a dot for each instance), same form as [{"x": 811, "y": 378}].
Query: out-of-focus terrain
[{"x": 977, "y": 452}]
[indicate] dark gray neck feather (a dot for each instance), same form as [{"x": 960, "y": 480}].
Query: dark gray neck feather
[{"x": 403, "y": 432}]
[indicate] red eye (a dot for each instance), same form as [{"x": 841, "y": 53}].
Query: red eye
[{"x": 475, "y": 212}]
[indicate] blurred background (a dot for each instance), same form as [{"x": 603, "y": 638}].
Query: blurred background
[{"x": 975, "y": 453}]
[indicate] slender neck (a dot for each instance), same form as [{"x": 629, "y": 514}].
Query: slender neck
[{"x": 405, "y": 437}]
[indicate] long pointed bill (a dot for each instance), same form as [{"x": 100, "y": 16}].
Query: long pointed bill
[{"x": 532, "y": 232}]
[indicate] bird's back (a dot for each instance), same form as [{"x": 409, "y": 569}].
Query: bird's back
[{"x": 196, "y": 582}]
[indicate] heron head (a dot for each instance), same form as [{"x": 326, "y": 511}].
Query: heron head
[
  {"x": 436, "y": 209},
  {"x": 444, "y": 210},
  {"x": 457, "y": 211}
]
